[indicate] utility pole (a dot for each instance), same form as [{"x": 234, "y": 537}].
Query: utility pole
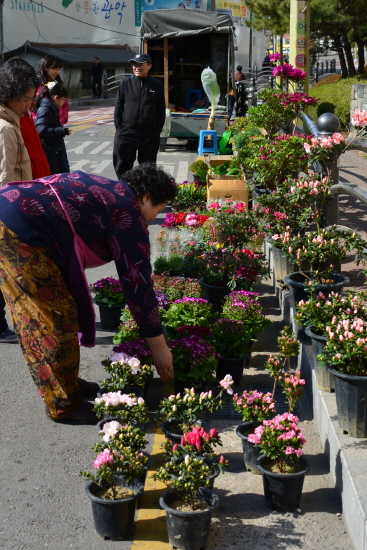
[
  {"x": 250, "y": 43},
  {"x": 299, "y": 51},
  {"x": 1, "y": 33}
]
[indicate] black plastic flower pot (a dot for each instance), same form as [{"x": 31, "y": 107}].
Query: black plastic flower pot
[
  {"x": 110, "y": 316},
  {"x": 250, "y": 452},
  {"x": 232, "y": 366},
  {"x": 169, "y": 427},
  {"x": 324, "y": 379},
  {"x": 214, "y": 294},
  {"x": 351, "y": 403},
  {"x": 282, "y": 492},
  {"x": 188, "y": 530},
  {"x": 114, "y": 519}
]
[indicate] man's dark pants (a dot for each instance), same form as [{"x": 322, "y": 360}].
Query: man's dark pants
[
  {"x": 128, "y": 143},
  {"x": 97, "y": 84}
]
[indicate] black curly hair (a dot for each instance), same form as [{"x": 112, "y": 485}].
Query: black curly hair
[
  {"x": 48, "y": 62},
  {"x": 147, "y": 178},
  {"x": 16, "y": 77}
]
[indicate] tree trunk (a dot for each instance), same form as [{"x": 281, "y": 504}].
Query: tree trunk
[
  {"x": 343, "y": 65},
  {"x": 360, "y": 45},
  {"x": 349, "y": 55}
]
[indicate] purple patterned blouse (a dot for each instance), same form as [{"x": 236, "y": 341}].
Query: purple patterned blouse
[{"x": 106, "y": 215}]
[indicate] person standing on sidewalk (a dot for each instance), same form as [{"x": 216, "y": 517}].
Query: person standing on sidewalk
[
  {"x": 17, "y": 88},
  {"x": 140, "y": 113},
  {"x": 97, "y": 73}
]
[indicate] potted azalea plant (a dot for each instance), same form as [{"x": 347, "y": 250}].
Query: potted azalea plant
[
  {"x": 345, "y": 354},
  {"x": 110, "y": 299},
  {"x": 114, "y": 489},
  {"x": 182, "y": 411},
  {"x": 320, "y": 311},
  {"x": 318, "y": 251},
  {"x": 282, "y": 466},
  {"x": 125, "y": 371},
  {"x": 126, "y": 407},
  {"x": 188, "y": 502},
  {"x": 254, "y": 407}
]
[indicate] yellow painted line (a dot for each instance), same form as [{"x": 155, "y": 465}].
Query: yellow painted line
[
  {"x": 92, "y": 119},
  {"x": 151, "y": 527},
  {"x": 79, "y": 127}
]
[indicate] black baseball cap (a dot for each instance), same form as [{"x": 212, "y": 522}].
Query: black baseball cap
[{"x": 141, "y": 58}]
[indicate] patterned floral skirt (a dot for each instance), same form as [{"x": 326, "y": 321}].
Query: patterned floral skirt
[{"x": 45, "y": 319}]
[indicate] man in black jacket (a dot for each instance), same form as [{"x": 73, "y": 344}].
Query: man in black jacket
[
  {"x": 97, "y": 73},
  {"x": 140, "y": 113}
]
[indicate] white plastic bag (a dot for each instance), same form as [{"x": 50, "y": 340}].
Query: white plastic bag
[{"x": 212, "y": 90}]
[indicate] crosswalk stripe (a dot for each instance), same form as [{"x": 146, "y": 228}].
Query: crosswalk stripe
[
  {"x": 99, "y": 148},
  {"x": 80, "y": 149},
  {"x": 101, "y": 166},
  {"x": 79, "y": 165}
]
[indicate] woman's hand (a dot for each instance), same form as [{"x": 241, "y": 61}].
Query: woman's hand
[{"x": 162, "y": 357}]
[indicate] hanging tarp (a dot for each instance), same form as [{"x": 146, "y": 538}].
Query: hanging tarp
[{"x": 157, "y": 24}]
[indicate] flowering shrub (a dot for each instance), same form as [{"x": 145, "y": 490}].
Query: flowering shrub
[
  {"x": 318, "y": 249},
  {"x": 187, "y": 409},
  {"x": 125, "y": 371},
  {"x": 187, "y": 311},
  {"x": 174, "y": 219},
  {"x": 223, "y": 266},
  {"x": 233, "y": 226},
  {"x": 177, "y": 287},
  {"x": 289, "y": 73},
  {"x": 326, "y": 148},
  {"x": 126, "y": 406},
  {"x": 230, "y": 338},
  {"x": 281, "y": 440},
  {"x": 186, "y": 477},
  {"x": 346, "y": 346},
  {"x": 190, "y": 196},
  {"x": 244, "y": 306},
  {"x": 194, "y": 359},
  {"x": 137, "y": 348},
  {"x": 121, "y": 435},
  {"x": 292, "y": 387},
  {"x": 108, "y": 291},
  {"x": 272, "y": 161},
  {"x": 110, "y": 464},
  {"x": 254, "y": 405}
]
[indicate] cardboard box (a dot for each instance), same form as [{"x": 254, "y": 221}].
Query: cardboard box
[
  {"x": 216, "y": 160},
  {"x": 221, "y": 187}
]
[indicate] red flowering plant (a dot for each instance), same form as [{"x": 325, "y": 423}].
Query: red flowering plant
[
  {"x": 281, "y": 440},
  {"x": 194, "y": 359},
  {"x": 108, "y": 291},
  {"x": 235, "y": 227},
  {"x": 298, "y": 101},
  {"x": 254, "y": 405},
  {"x": 187, "y": 219},
  {"x": 289, "y": 73},
  {"x": 222, "y": 265},
  {"x": 176, "y": 288}
]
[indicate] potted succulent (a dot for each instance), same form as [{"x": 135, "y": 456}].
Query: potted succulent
[
  {"x": 345, "y": 353},
  {"x": 125, "y": 371},
  {"x": 232, "y": 343},
  {"x": 282, "y": 466},
  {"x": 110, "y": 299},
  {"x": 255, "y": 407},
  {"x": 188, "y": 503},
  {"x": 126, "y": 407},
  {"x": 114, "y": 490},
  {"x": 181, "y": 412}
]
